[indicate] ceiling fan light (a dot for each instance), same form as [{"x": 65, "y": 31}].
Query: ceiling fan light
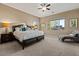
[{"x": 44, "y": 8}]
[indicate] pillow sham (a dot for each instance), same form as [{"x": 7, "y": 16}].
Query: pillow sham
[
  {"x": 17, "y": 29},
  {"x": 23, "y": 29}
]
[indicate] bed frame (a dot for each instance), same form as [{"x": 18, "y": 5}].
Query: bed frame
[{"x": 28, "y": 41}]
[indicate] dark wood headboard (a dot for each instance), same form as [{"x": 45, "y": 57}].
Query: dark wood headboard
[{"x": 14, "y": 27}]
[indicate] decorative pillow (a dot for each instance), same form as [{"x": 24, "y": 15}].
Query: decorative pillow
[{"x": 23, "y": 29}]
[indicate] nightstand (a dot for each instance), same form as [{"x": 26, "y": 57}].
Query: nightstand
[{"x": 7, "y": 37}]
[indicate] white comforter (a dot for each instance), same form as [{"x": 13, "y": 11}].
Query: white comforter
[{"x": 23, "y": 35}]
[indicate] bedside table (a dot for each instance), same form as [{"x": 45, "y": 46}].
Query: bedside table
[{"x": 6, "y": 37}]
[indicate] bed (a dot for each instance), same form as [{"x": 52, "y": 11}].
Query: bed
[{"x": 28, "y": 36}]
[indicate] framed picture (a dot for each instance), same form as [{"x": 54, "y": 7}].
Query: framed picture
[{"x": 73, "y": 22}]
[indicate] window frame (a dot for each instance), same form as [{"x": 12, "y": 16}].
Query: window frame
[{"x": 55, "y": 20}]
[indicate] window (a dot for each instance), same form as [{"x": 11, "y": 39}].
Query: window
[
  {"x": 57, "y": 24},
  {"x": 43, "y": 26}
]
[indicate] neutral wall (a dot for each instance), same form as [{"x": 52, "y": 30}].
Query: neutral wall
[
  {"x": 16, "y": 16},
  {"x": 67, "y": 16}
]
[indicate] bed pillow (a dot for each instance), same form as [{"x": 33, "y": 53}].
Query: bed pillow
[
  {"x": 17, "y": 29},
  {"x": 23, "y": 29}
]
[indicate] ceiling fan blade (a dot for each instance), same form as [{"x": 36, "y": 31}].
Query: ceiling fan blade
[
  {"x": 39, "y": 8},
  {"x": 43, "y": 4},
  {"x": 48, "y": 5},
  {"x": 48, "y": 8}
]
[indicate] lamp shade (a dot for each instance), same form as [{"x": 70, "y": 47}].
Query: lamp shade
[{"x": 5, "y": 24}]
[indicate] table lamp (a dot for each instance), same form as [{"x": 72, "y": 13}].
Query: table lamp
[{"x": 6, "y": 25}]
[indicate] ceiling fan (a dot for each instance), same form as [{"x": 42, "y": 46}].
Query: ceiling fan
[{"x": 44, "y": 6}]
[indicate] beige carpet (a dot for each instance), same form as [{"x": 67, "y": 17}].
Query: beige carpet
[{"x": 50, "y": 46}]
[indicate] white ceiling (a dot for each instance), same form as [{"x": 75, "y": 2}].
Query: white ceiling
[{"x": 32, "y": 8}]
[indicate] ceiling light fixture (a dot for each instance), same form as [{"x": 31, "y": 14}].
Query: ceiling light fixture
[{"x": 44, "y": 6}]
